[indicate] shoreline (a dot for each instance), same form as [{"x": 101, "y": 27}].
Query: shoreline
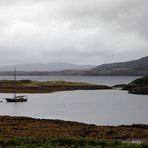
[
  {"x": 31, "y": 86},
  {"x": 12, "y": 127}
]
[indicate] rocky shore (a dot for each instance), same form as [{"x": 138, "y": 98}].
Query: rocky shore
[{"x": 138, "y": 86}]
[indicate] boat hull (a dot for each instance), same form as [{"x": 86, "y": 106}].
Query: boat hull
[{"x": 16, "y": 100}]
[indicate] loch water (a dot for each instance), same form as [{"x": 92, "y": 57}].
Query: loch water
[{"x": 101, "y": 107}]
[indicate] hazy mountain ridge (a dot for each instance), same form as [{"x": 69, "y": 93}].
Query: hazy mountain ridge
[
  {"x": 137, "y": 67},
  {"x": 45, "y": 67}
]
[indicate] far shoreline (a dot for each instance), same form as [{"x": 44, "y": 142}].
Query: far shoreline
[{"x": 138, "y": 86}]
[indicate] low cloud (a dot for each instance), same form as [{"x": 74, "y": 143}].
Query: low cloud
[{"x": 80, "y": 31}]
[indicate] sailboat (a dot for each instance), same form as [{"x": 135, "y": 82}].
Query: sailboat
[{"x": 16, "y": 98}]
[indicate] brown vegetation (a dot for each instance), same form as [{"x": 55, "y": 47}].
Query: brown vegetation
[{"x": 11, "y": 127}]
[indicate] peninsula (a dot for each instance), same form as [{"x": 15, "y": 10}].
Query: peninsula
[{"x": 29, "y": 86}]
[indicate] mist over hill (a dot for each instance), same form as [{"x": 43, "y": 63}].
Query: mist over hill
[
  {"x": 44, "y": 67},
  {"x": 137, "y": 67}
]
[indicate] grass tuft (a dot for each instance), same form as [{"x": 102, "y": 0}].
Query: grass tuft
[{"x": 66, "y": 143}]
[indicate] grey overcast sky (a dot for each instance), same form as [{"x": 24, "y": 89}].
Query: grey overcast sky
[{"x": 73, "y": 31}]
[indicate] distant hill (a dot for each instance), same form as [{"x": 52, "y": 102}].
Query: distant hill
[
  {"x": 135, "y": 67},
  {"x": 45, "y": 67},
  {"x": 74, "y": 72}
]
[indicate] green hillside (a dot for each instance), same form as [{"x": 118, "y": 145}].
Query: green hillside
[
  {"x": 143, "y": 80},
  {"x": 130, "y": 68}
]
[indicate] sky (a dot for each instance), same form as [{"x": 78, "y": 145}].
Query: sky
[{"x": 72, "y": 31}]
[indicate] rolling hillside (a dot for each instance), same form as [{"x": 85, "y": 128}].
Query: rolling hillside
[{"x": 135, "y": 67}]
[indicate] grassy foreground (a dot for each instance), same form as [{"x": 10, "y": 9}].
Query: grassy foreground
[
  {"x": 66, "y": 143},
  {"x": 24, "y": 132}
]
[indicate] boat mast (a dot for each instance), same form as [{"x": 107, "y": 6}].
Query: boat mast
[{"x": 15, "y": 83}]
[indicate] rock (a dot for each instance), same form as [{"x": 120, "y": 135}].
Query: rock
[{"x": 139, "y": 90}]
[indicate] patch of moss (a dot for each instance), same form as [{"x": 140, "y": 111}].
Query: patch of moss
[
  {"x": 28, "y": 83},
  {"x": 61, "y": 83}
]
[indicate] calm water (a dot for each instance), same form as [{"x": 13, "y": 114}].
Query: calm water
[
  {"x": 107, "y": 80},
  {"x": 101, "y": 107}
]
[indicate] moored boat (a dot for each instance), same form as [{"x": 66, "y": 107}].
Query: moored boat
[{"x": 16, "y": 98}]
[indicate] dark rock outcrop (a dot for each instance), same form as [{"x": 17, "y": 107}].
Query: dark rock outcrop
[{"x": 138, "y": 86}]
